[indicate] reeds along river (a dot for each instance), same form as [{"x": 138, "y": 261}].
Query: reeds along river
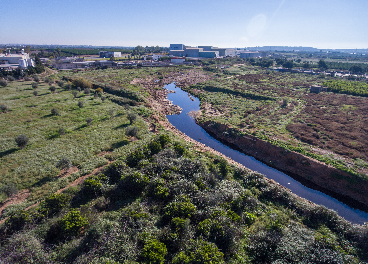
[{"x": 187, "y": 125}]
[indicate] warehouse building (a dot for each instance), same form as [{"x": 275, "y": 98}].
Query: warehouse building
[
  {"x": 109, "y": 54},
  {"x": 200, "y": 51}
]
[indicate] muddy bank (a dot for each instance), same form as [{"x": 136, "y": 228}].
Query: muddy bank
[{"x": 310, "y": 172}]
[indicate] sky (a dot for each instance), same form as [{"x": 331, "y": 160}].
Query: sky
[{"x": 333, "y": 24}]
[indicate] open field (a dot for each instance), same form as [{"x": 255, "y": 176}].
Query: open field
[{"x": 35, "y": 166}]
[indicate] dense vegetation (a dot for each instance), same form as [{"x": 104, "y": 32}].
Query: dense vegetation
[
  {"x": 160, "y": 204},
  {"x": 347, "y": 87}
]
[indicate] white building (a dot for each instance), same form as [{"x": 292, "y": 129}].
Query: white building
[
  {"x": 20, "y": 60},
  {"x": 155, "y": 57},
  {"x": 177, "y": 60}
]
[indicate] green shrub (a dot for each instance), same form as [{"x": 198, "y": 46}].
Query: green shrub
[
  {"x": 18, "y": 219},
  {"x": 82, "y": 83},
  {"x": 64, "y": 163},
  {"x": 60, "y": 83},
  {"x": 55, "y": 112},
  {"x": 24, "y": 248},
  {"x": 135, "y": 183},
  {"x": 164, "y": 140},
  {"x": 68, "y": 86},
  {"x": 36, "y": 78},
  {"x": 132, "y": 117},
  {"x": 182, "y": 208},
  {"x": 93, "y": 185},
  {"x": 134, "y": 158},
  {"x": 35, "y": 93},
  {"x": 34, "y": 85},
  {"x": 54, "y": 204},
  {"x": 80, "y": 104},
  {"x": 73, "y": 224},
  {"x": 61, "y": 131},
  {"x": 89, "y": 121},
  {"x": 86, "y": 91},
  {"x": 179, "y": 149},
  {"x": 22, "y": 141},
  {"x": 10, "y": 78},
  {"x": 199, "y": 252},
  {"x": 3, "y": 108},
  {"x": 132, "y": 131},
  {"x": 154, "y": 147},
  {"x": 52, "y": 89},
  {"x": 9, "y": 189},
  {"x": 3, "y": 83},
  {"x": 154, "y": 252},
  {"x": 75, "y": 93}
]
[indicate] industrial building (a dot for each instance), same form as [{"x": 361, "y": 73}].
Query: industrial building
[
  {"x": 200, "y": 51},
  {"x": 16, "y": 60},
  {"x": 109, "y": 54},
  {"x": 250, "y": 54}
]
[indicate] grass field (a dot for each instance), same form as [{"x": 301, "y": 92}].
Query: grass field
[{"x": 35, "y": 165}]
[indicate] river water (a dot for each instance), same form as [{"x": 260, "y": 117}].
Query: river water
[{"x": 187, "y": 125}]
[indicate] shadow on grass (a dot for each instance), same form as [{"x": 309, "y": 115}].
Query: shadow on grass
[
  {"x": 82, "y": 126},
  {"x": 121, "y": 126},
  {"x": 46, "y": 116},
  {"x": 119, "y": 144},
  {"x": 43, "y": 181},
  {"x": 7, "y": 152}
]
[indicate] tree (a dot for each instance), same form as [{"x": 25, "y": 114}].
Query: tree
[
  {"x": 22, "y": 141},
  {"x": 52, "y": 88},
  {"x": 306, "y": 65},
  {"x": 322, "y": 64},
  {"x": 38, "y": 65},
  {"x": 89, "y": 121},
  {"x": 64, "y": 163},
  {"x": 55, "y": 112},
  {"x": 288, "y": 64},
  {"x": 3, "y": 108},
  {"x": 3, "y": 83},
  {"x": 132, "y": 117},
  {"x": 356, "y": 69}
]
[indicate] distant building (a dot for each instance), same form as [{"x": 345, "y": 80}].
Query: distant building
[
  {"x": 16, "y": 60},
  {"x": 200, "y": 51},
  {"x": 155, "y": 57},
  {"x": 109, "y": 54},
  {"x": 250, "y": 54},
  {"x": 208, "y": 54},
  {"x": 177, "y": 60},
  {"x": 317, "y": 89},
  {"x": 177, "y": 47}
]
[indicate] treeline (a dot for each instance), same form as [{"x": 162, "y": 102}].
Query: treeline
[
  {"x": 346, "y": 66},
  {"x": 347, "y": 87}
]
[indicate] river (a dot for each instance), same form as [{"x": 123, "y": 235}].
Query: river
[{"x": 187, "y": 125}]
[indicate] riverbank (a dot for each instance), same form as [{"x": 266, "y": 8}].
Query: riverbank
[{"x": 328, "y": 179}]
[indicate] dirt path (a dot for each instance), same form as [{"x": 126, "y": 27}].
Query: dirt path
[
  {"x": 20, "y": 197},
  {"x": 80, "y": 180},
  {"x": 24, "y": 194}
]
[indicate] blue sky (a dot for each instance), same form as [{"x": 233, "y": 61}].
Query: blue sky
[{"x": 230, "y": 23}]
